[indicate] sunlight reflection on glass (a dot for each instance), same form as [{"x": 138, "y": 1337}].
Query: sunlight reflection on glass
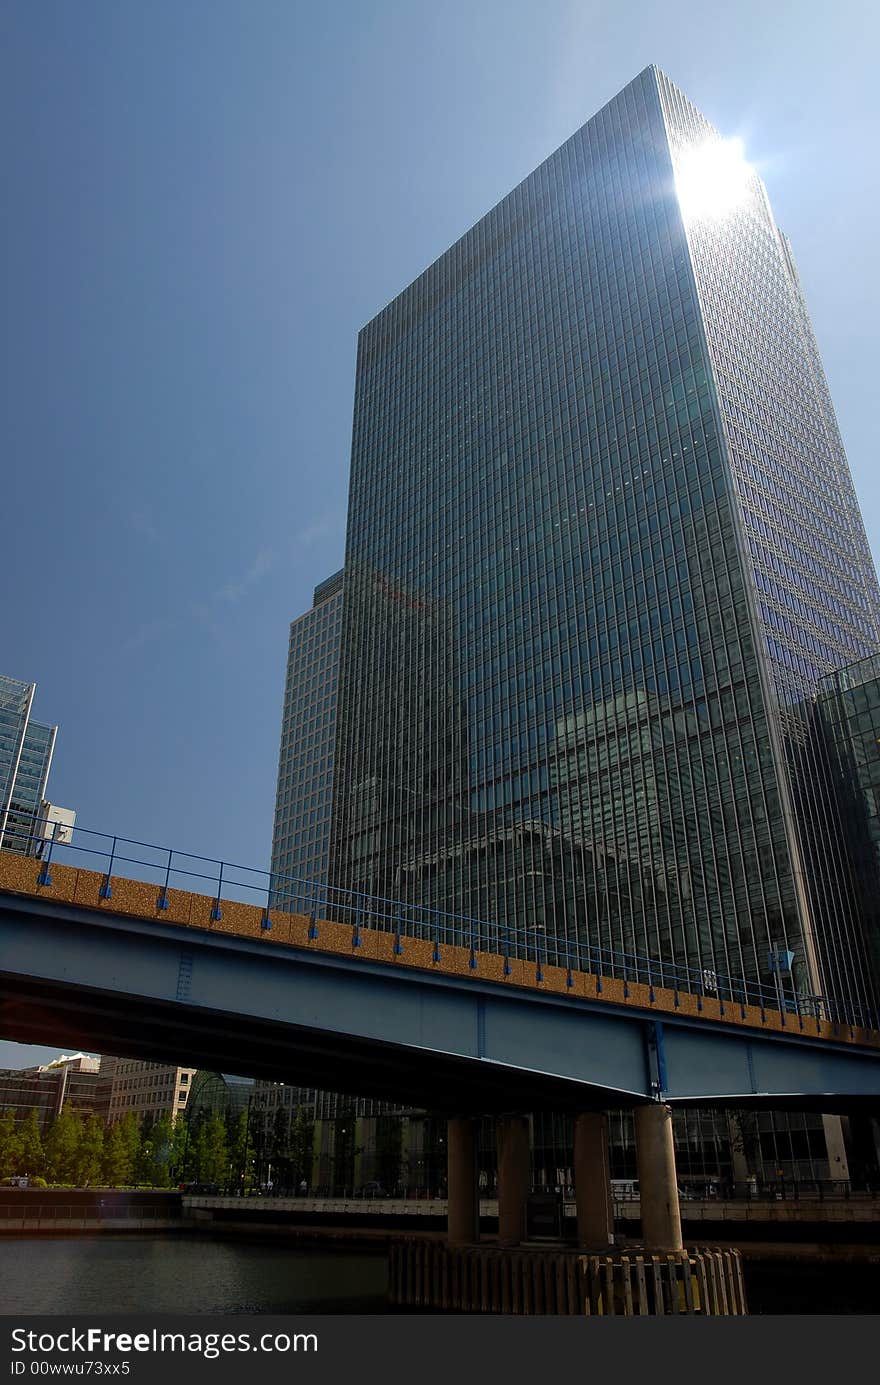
[{"x": 712, "y": 179}]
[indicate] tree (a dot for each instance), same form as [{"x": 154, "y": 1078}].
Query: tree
[
  {"x": 302, "y": 1140},
  {"x": 62, "y": 1146},
  {"x": 10, "y": 1145},
  {"x": 745, "y": 1142},
  {"x": 212, "y": 1152},
  {"x": 155, "y": 1155},
  {"x": 280, "y": 1140},
  {"x": 90, "y": 1153},
  {"x": 242, "y": 1151},
  {"x": 121, "y": 1149},
  {"x": 182, "y": 1147},
  {"x": 144, "y": 1166},
  {"x": 389, "y": 1151},
  {"x": 344, "y": 1151},
  {"x": 32, "y": 1156},
  {"x": 131, "y": 1135}
]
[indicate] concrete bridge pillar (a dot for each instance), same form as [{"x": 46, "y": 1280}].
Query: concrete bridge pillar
[
  {"x": 512, "y": 1140},
  {"x": 463, "y": 1215},
  {"x": 658, "y": 1186},
  {"x": 592, "y": 1181}
]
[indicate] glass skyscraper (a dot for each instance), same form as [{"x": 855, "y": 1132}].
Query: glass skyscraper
[
  {"x": 26, "y": 748},
  {"x": 602, "y": 547},
  {"x": 301, "y": 835}
]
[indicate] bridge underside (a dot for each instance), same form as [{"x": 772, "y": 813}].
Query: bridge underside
[
  {"x": 101, "y": 1022},
  {"x": 154, "y": 990}
]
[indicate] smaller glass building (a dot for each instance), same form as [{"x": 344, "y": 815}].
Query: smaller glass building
[
  {"x": 300, "y": 840},
  {"x": 26, "y": 749}
]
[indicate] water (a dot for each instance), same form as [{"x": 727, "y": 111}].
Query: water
[
  {"x": 781, "y": 1287},
  {"x": 180, "y": 1273},
  {"x": 190, "y": 1273}
]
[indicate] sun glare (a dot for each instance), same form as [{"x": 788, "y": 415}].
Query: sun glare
[{"x": 712, "y": 179}]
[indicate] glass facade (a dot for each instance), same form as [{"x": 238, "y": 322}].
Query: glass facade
[
  {"x": 799, "y": 530},
  {"x": 300, "y": 840},
  {"x": 25, "y": 756},
  {"x": 849, "y": 710},
  {"x": 602, "y": 545}
]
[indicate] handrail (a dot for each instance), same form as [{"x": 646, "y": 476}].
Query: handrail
[{"x": 404, "y": 918}]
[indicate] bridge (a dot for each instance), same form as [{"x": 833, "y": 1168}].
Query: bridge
[{"x": 422, "y": 1009}]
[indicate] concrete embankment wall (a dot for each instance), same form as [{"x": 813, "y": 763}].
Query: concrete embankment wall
[
  {"x": 75, "y": 1210},
  {"x": 805, "y": 1230}
]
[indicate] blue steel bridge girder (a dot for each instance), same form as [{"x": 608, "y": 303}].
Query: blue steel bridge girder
[{"x": 127, "y": 985}]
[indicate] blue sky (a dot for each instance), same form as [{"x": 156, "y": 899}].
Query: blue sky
[{"x": 204, "y": 202}]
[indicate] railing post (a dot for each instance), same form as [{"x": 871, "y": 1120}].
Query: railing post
[
  {"x": 266, "y": 920},
  {"x": 217, "y": 912},
  {"x": 356, "y": 933},
  {"x": 162, "y": 901},
  {"x": 106, "y": 890},
  {"x": 44, "y": 877}
]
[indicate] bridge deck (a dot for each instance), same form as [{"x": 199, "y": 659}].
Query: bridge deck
[{"x": 19, "y": 875}]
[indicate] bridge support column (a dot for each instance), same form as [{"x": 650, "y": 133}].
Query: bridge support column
[
  {"x": 592, "y": 1181},
  {"x": 658, "y": 1187},
  {"x": 463, "y": 1216},
  {"x": 512, "y": 1142}
]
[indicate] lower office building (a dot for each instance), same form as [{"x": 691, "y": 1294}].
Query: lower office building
[
  {"x": 77, "y": 1083},
  {"x": 149, "y": 1090}
]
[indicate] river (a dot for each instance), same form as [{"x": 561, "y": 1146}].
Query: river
[
  {"x": 181, "y": 1273},
  {"x": 193, "y": 1273}
]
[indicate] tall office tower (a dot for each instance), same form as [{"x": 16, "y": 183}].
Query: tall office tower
[
  {"x": 300, "y": 839},
  {"x": 602, "y": 546},
  {"x": 26, "y": 748}
]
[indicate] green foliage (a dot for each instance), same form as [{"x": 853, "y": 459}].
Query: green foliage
[
  {"x": 118, "y": 1163},
  {"x": 180, "y": 1165},
  {"x": 302, "y": 1140},
  {"x": 32, "y": 1155},
  {"x": 212, "y": 1152},
  {"x": 90, "y": 1153},
  {"x": 10, "y": 1145},
  {"x": 131, "y": 1134},
  {"x": 82, "y": 1152},
  {"x": 143, "y": 1160},
  {"x": 62, "y": 1147},
  {"x": 389, "y": 1150},
  {"x": 241, "y": 1148},
  {"x": 163, "y": 1145},
  {"x": 344, "y": 1150},
  {"x": 154, "y": 1158}
]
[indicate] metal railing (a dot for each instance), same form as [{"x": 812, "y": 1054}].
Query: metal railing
[{"x": 170, "y": 868}]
